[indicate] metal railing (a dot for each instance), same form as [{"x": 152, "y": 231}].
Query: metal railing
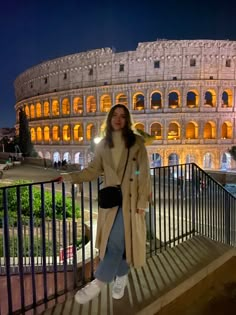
[{"x": 47, "y": 232}]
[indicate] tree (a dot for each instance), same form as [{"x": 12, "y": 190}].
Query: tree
[
  {"x": 25, "y": 143},
  {"x": 232, "y": 152}
]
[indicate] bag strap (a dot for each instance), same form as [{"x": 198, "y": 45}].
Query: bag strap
[{"x": 125, "y": 167}]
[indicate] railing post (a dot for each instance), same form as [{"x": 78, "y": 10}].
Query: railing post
[{"x": 227, "y": 219}]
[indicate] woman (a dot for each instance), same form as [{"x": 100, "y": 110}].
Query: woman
[{"x": 121, "y": 231}]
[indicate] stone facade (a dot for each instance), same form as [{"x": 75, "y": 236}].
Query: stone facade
[{"x": 181, "y": 92}]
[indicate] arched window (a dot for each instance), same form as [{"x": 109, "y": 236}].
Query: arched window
[
  {"x": 90, "y": 132},
  {"x": 27, "y": 112},
  {"x": 39, "y": 134},
  {"x": 46, "y": 134},
  {"x": 66, "y": 133},
  {"x": 55, "y": 133},
  {"x": 156, "y": 131},
  {"x": 91, "y": 104},
  {"x": 78, "y": 132},
  {"x": 38, "y": 110},
  {"x": 32, "y": 134},
  {"x": 78, "y": 105},
  {"x": 138, "y": 101},
  {"x": 192, "y": 99},
  {"x": 122, "y": 99},
  {"x": 32, "y": 111},
  {"x": 174, "y": 100},
  {"x": 55, "y": 108},
  {"x": 173, "y": 131},
  {"x": 105, "y": 104},
  {"x": 46, "y": 109},
  {"x": 66, "y": 106},
  {"x": 191, "y": 131},
  {"x": 156, "y": 101}
]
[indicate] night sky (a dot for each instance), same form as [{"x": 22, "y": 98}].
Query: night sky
[{"x": 35, "y": 31}]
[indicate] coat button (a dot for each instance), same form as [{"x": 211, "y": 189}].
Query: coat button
[
  {"x": 131, "y": 179},
  {"x": 134, "y": 159},
  {"x": 130, "y": 195}
]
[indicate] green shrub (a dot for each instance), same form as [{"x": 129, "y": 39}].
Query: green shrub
[
  {"x": 13, "y": 247},
  {"x": 37, "y": 203}
]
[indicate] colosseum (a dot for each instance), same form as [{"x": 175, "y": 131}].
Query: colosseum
[{"x": 181, "y": 92}]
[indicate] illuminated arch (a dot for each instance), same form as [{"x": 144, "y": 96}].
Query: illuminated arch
[
  {"x": 55, "y": 133},
  {"x": 55, "y": 108},
  {"x": 191, "y": 130},
  {"x": 91, "y": 104},
  {"x": 66, "y": 133},
  {"x": 27, "y": 111},
  {"x": 173, "y": 131},
  {"x": 46, "y": 133},
  {"x": 78, "y": 105},
  {"x": 138, "y": 101},
  {"x": 105, "y": 103},
  {"x": 39, "y": 134},
  {"x": 156, "y": 131},
  {"x": 32, "y": 111},
  {"x": 192, "y": 99},
  {"x": 226, "y": 130},
  {"x": 65, "y": 106},
  {"x": 46, "y": 109},
  {"x": 122, "y": 99},
  {"x": 174, "y": 99},
  {"x": 38, "y": 110},
  {"x": 90, "y": 132},
  {"x": 139, "y": 126},
  {"x": 156, "y": 100},
  {"x": 210, "y": 98},
  {"x": 32, "y": 134},
  {"x": 227, "y": 98},
  {"x": 209, "y": 130},
  {"x": 78, "y": 132}
]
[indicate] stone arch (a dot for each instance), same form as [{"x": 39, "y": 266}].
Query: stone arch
[
  {"x": 39, "y": 134},
  {"x": 105, "y": 103},
  {"x": 56, "y": 157},
  {"x": 78, "y": 132},
  {"x": 227, "y": 130},
  {"x": 156, "y": 131},
  {"x": 192, "y": 98},
  {"x": 227, "y": 98},
  {"x": 173, "y": 131},
  {"x": 46, "y": 109},
  {"x": 90, "y": 131},
  {"x": 65, "y": 106},
  {"x": 210, "y": 98},
  {"x": 66, "y": 132},
  {"x": 209, "y": 131},
  {"x": 32, "y": 111},
  {"x": 122, "y": 98},
  {"x": 78, "y": 105},
  {"x": 156, "y": 100},
  {"x": 156, "y": 160},
  {"x": 191, "y": 130},
  {"x": 138, "y": 101},
  {"x": 173, "y": 159},
  {"x": 207, "y": 160},
  {"x": 55, "y": 133},
  {"x": 139, "y": 126},
  {"x": 38, "y": 109},
  {"x": 46, "y": 133},
  {"x": 225, "y": 162},
  {"x": 91, "y": 104},
  {"x": 55, "y": 108},
  {"x": 32, "y": 134},
  {"x": 174, "y": 99}
]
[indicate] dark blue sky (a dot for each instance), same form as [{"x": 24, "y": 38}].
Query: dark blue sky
[{"x": 34, "y": 31}]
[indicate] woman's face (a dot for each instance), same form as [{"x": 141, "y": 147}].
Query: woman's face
[{"x": 118, "y": 119}]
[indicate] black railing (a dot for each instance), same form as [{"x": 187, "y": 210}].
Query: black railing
[{"x": 47, "y": 231}]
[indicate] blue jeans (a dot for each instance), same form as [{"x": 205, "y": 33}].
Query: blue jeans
[{"x": 114, "y": 263}]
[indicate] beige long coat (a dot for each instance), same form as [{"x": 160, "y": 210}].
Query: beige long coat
[{"x": 135, "y": 190}]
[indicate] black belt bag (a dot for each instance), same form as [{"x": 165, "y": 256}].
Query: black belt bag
[{"x": 111, "y": 196}]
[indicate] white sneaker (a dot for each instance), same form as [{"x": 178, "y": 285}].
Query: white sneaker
[
  {"x": 118, "y": 289},
  {"x": 87, "y": 293}
]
